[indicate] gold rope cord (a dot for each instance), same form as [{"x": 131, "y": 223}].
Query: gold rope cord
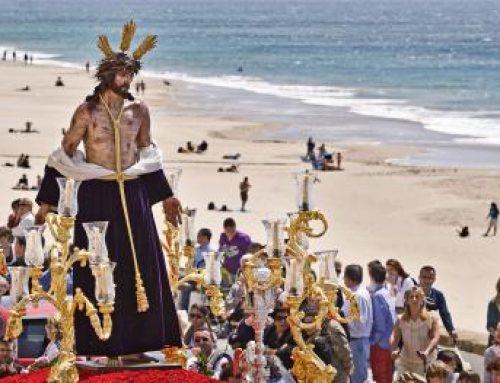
[{"x": 142, "y": 299}]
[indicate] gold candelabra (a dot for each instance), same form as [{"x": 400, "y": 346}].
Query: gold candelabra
[
  {"x": 175, "y": 250},
  {"x": 301, "y": 284},
  {"x": 61, "y": 260}
]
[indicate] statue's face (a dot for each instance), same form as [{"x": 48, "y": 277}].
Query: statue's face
[{"x": 122, "y": 81}]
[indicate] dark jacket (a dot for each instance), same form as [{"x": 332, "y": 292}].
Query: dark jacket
[{"x": 435, "y": 301}]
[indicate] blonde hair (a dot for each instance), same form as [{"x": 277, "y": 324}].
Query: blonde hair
[
  {"x": 408, "y": 377},
  {"x": 424, "y": 314},
  {"x": 436, "y": 369}
]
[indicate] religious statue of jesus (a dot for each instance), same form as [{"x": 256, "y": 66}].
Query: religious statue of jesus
[{"x": 122, "y": 177}]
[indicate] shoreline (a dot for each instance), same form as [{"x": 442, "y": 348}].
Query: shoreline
[
  {"x": 376, "y": 210},
  {"x": 435, "y": 149}
]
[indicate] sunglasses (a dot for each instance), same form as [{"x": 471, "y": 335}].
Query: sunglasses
[
  {"x": 201, "y": 339},
  {"x": 281, "y": 318},
  {"x": 199, "y": 316}
]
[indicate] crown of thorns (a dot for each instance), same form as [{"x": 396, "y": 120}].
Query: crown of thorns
[{"x": 112, "y": 61}]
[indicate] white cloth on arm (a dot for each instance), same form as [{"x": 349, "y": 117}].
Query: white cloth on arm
[
  {"x": 150, "y": 160},
  {"x": 26, "y": 221},
  {"x": 402, "y": 286},
  {"x": 360, "y": 328}
]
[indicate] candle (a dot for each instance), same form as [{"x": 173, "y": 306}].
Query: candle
[
  {"x": 209, "y": 268},
  {"x": 31, "y": 247},
  {"x": 275, "y": 238},
  {"x": 68, "y": 194},
  {"x": 96, "y": 242},
  {"x": 305, "y": 194},
  {"x": 293, "y": 275},
  {"x": 186, "y": 229},
  {"x": 34, "y": 248}
]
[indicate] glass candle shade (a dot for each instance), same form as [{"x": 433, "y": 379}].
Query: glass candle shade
[
  {"x": 173, "y": 175},
  {"x": 294, "y": 279},
  {"x": 96, "y": 235},
  {"x": 19, "y": 283},
  {"x": 326, "y": 265},
  {"x": 212, "y": 274},
  {"x": 304, "y": 183},
  {"x": 104, "y": 282},
  {"x": 68, "y": 196},
  {"x": 34, "y": 255},
  {"x": 275, "y": 230},
  {"x": 187, "y": 229}
]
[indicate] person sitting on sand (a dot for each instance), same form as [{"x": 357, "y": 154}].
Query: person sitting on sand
[
  {"x": 20, "y": 160},
  {"x": 202, "y": 147},
  {"x": 188, "y": 149},
  {"x": 24, "y": 162},
  {"x": 28, "y": 127},
  {"x": 231, "y": 156},
  {"x": 59, "y": 81},
  {"x": 22, "y": 183},
  {"x": 231, "y": 169},
  {"x": 463, "y": 232}
]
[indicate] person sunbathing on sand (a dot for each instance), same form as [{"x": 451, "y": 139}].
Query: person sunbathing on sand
[{"x": 188, "y": 149}]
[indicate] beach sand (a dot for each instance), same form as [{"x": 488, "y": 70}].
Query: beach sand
[{"x": 374, "y": 210}]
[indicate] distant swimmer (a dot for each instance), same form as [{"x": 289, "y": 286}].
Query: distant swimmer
[{"x": 240, "y": 69}]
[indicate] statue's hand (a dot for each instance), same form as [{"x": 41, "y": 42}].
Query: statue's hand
[{"x": 172, "y": 209}]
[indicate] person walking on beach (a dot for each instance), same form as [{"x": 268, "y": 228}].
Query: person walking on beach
[
  {"x": 493, "y": 216},
  {"x": 310, "y": 148},
  {"x": 244, "y": 188}
]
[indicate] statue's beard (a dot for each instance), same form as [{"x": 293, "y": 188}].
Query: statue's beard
[{"x": 122, "y": 92}]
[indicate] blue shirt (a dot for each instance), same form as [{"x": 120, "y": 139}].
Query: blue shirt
[
  {"x": 384, "y": 317},
  {"x": 198, "y": 260},
  {"x": 360, "y": 328}
]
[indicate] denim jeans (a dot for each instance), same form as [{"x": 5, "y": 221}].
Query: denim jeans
[{"x": 360, "y": 348}]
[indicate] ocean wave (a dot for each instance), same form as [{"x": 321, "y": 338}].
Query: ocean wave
[
  {"x": 477, "y": 127},
  {"x": 465, "y": 123}
]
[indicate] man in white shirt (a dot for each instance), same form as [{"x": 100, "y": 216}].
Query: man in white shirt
[
  {"x": 213, "y": 358},
  {"x": 359, "y": 330},
  {"x": 27, "y": 218}
]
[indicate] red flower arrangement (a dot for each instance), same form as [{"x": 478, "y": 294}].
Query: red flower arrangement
[{"x": 144, "y": 376}]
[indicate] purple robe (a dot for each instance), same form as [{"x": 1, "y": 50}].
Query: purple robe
[{"x": 99, "y": 200}]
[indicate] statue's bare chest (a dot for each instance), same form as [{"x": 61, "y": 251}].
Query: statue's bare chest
[{"x": 101, "y": 129}]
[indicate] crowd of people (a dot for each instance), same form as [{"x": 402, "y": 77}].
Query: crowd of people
[
  {"x": 190, "y": 148},
  {"x": 395, "y": 338},
  {"x": 322, "y": 160}
]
